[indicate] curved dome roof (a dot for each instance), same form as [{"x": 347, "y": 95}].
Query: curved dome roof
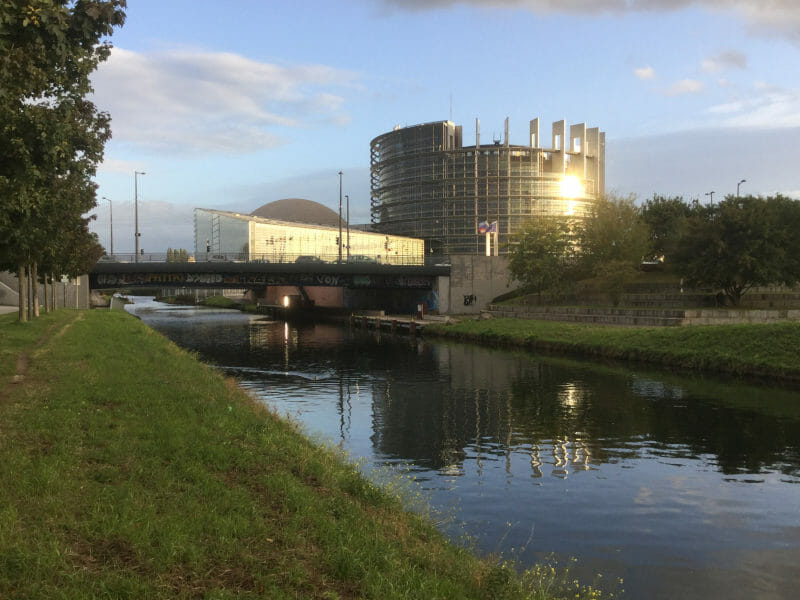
[{"x": 298, "y": 210}]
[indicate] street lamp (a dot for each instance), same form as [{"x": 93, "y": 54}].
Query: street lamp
[
  {"x": 340, "y": 217},
  {"x": 347, "y": 198},
  {"x": 111, "y": 222},
  {"x": 711, "y": 194},
  {"x": 737, "y": 186},
  {"x": 136, "y": 210}
]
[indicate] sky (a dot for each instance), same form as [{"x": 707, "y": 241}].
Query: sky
[{"x": 231, "y": 105}]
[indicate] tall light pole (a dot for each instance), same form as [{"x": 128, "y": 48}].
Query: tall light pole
[
  {"x": 711, "y": 194},
  {"x": 347, "y": 198},
  {"x": 737, "y": 186},
  {"x": 340, "y": 217},
  {"x": 111, "y": 222},
  {"x": 136, "y": 209}
]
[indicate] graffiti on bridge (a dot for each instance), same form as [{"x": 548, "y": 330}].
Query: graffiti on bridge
[{"x": 109, "y": 280}]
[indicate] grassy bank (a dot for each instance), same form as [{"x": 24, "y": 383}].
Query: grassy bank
[
  {"x": 130, "y": 470},
  {"x": 768, "y": 350}
]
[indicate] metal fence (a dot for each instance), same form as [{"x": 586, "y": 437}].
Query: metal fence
[{"x": 238, "y": 257}]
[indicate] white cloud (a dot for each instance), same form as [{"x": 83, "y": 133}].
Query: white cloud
[
  {"x": 196, "y": 101},
  {"x": 730, "y": 59},
  {"x": 772, "y": 107},
  {"x": 781, "y": 17},
  {"x": 727, "y": 108},
  {"x": 118, "y": 166},
  {"x": 765, "y": 106},
  {"x": 645, "y": 73},
  {"x": 685, "y": 86}
]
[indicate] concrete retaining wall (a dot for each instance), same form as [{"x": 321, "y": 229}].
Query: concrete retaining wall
[
  {"x": 712, "y": 316},
  {"x": 474, "y": 282},
  {"x": 645, "y": 317},
  {"x": 70, "y": 295}
]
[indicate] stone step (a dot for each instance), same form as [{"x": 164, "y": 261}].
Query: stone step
[{"x": 597, "y": 316}]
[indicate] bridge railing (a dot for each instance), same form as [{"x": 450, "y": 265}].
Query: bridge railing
[{"x": 243, "y": 257}]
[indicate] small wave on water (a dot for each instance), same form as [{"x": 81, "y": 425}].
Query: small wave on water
[{"x": 250, "y": 372}]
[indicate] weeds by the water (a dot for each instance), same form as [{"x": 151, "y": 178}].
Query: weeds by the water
[{"x": 549, "y": 578}]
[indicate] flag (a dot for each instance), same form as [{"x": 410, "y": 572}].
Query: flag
[{"x": 484, "y": 227}]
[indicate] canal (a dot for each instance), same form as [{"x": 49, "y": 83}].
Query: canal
[{"x": 683, "y": 486}]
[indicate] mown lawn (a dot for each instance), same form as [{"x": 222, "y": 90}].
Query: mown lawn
[
  {"x": 769, "y": 350},
  {"x": 130, "y": 470}
]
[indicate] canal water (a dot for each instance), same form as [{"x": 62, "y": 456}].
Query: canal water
[{"x": 683, "y": 486}]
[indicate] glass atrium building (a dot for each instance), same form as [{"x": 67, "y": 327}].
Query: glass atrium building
[{"x": 426, "y": 184}]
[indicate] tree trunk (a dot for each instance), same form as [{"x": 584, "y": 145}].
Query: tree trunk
[
  {"x": 35, "y": 288},
  {"x": 22, "y": 294},
  {"x": 46, "y": 303}
]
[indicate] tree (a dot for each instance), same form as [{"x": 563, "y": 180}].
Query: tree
[
  {"x": 541, "y": 254},
  {"x": 666, "y": 219},
  {"x": 51, "y": 137},
  {"x": 740, "y": 243},
  {"x": 613, "y": 240}
]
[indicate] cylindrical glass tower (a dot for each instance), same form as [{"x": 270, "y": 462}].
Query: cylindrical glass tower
[{"x": 425, "y": 184}]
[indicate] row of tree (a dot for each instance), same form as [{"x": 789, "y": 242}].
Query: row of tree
[
  {"x": 729, "y": 247},
  {"x": 51, "y": 136},
  {"x": 177, "y": 255}
]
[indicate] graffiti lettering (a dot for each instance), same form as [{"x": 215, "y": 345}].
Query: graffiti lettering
[
  {"x": 328, "y": 279},
  {"x": 233, "y": 279}
]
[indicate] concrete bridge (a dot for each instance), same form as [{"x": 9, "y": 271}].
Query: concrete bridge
[
  {"x": 256, "y": 275},
  {"x": 458, "y": 284}
]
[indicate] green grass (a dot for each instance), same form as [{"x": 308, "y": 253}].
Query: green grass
[
  {"x": 220, "y": 302},
  {"x": 768, "y": 350},
  {"x": 130, "y": 470}
]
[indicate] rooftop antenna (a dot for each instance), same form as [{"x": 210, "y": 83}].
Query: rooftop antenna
[{"x": 451, "y": 106}]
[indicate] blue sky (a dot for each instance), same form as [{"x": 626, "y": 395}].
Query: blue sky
[{"x": 232, "y": 105}]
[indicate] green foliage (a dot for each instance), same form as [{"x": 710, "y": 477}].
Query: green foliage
[
  {"x": 740, "y": 243},
  {"x": 542, "y": 254},
  {"x": 612, "y": 277},
  {"x": 177, "y": 255},
  {"x": 666, "y": 219},
  {"x": 51, "y": 136},
  {"x": 614, "y": 231},
  {"x": 613, "y": 241},
  {"x": 219, "y": 302}
]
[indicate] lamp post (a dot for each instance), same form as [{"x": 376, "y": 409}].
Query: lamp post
[
  {"x": 111, "y": 222},
  {"x": 136, "y": 210},
  {"x": 737, "y": 186},
  {"x": 711, "y": 194},
  {"x": 340, "y": 217},
  {"x": 347, "y": 198}
]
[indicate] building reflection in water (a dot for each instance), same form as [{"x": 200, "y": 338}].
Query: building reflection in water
[
  {"x": 459, "y": 407},
  {"x": 452, "y": 407}
]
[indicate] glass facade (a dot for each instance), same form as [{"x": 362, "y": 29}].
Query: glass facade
[
  {"x": 424, "y": 184},
  {"x": 245, "y": 237}
]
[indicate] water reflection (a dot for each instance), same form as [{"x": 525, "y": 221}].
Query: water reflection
[{"x": 686, "y": 487}]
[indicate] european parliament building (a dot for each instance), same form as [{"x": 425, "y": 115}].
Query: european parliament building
[{"x": 426, "y": 184}]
